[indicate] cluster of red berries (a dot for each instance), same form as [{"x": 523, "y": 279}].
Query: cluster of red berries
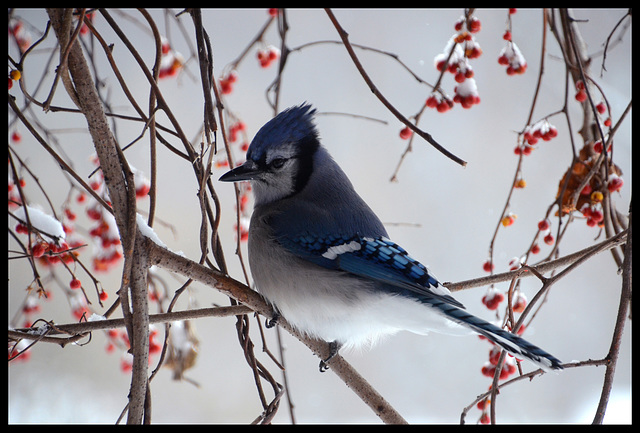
[
  {"x": 244, "y": 229},
  {"x": 227, "y": 82},
  {"x": 171, "y": 61},
  {"x": 492, "y": 298},
  {"x": 542, "y": 130},
  {"x": 591, "y": 210},
  {"x": 50, "y": 253},
  {"x": 454, "y": 59},
  {"x": 235, "y": 129},
  {"x": 544, "y": 226},
  {"x": 267, "y": 55},
  {"x": 118, "y": 339},
  {"x": 109, "y": 252},
  {"x": 508, "y": 367},
  {"x": 104, "y": 231},
  {"x": 84, "y": 30},
  {"x": 466, "y": 94},
  {"x": 598, "y": 147},
  {"x": 614, "y": 183},
  {"x": 594, "y": 216},
  {"x": 581, "y": 92},
  {"x": 602, "y": 109},
  {"x": 21, "y": 35},
  {"x": 244, "y": 211},
  {"x": 512, "y": 58},
  {"x": 441, "y": 103}
]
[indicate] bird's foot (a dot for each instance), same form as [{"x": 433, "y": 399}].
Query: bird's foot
[
  {"x": 334, "y": 347},
  {"x": 270, "y": 323}
]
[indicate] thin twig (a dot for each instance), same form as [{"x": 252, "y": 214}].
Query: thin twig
[{"x": 345, "y": 39}]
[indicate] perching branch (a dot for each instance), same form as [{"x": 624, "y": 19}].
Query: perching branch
[{"x": 170, "y": 261}]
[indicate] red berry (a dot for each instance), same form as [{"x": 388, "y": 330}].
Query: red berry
[
  {"x": 544, "y": 225},
  {"x": 39, "y": 249},
  {"x": 520, "y": 303},
  {"x": 488, "y": 369},
  {"x": 75, "y": 284},
  {"x": 581, "y": 96},
  {"x": 488, "y": 266},
  {"x": 492, "y": 299},
  {"x": 507, "y": 36},
  {"x": 535, "y": 249},
  {"x": 443, "y": 107},
  {"x": 70, "y": 214},
  {"x": 483, "y": 404},
  {"x": 601, "y": 108},
  {"x": 615, "y": 183},
  {"x": 225, "y": 87},
  {"x": 494, "y": 355},
  {"x": 508, "y": 369},
  {"x": 103, "y": 295},
  {"x": 548, "y": 239},
  {"x": 405, "y": 133},
  {"x": 474, "y": 25}
]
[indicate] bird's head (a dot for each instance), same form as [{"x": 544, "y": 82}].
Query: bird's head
[{"x": 280, "y": 157}]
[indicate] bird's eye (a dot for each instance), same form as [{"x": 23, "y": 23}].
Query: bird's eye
[{"x": 278, "y": 162}]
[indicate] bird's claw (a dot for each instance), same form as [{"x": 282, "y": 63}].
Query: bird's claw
[
  {"x": 333, "y": 351},
  {"x": 273, "y": 321}
]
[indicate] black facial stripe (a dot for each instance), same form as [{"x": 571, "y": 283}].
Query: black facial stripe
[{"x": 308, "y": 147}]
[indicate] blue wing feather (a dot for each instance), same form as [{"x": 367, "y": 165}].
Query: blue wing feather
[{"x": 374, "y": 258}]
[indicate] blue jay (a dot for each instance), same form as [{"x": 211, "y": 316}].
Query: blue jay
[{"x": 323, "y": 259}]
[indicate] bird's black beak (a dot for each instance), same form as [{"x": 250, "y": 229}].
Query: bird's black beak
[{"x": 247, "y": 171}]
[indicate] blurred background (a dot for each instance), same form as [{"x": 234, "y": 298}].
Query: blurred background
[{"x": 443, "y": 214}]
